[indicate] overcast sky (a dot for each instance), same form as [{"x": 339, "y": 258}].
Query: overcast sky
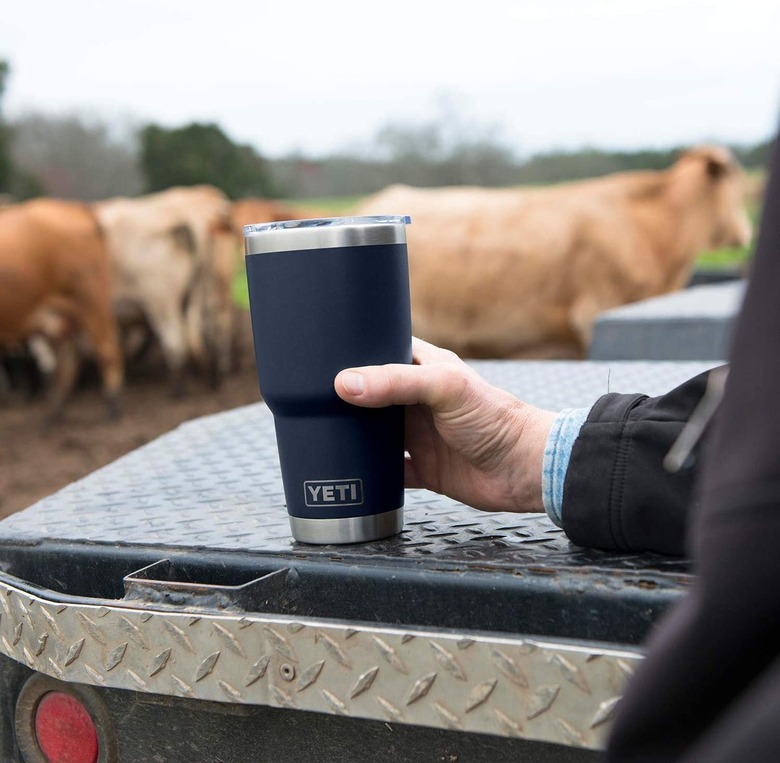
[{"x": 319, "y": 76}]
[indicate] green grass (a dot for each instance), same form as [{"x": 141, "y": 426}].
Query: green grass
[
  {"x": 240, "y": 291},
  {"x": 730, "y": 258},
  {"x": 337, "y": 205},
  {"x": 724, "y": 259}
]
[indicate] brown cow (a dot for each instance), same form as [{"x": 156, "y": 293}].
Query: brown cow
[
  {"x": 55, "y": 282},
  {"x": 257, "y": 210},
  {"x": 523, "y": 272}
]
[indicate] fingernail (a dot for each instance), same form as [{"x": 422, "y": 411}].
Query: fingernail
[{"x": 354, "y": 383}]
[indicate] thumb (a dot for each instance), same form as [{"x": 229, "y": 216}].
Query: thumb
[{"x": 444, "y": 387}]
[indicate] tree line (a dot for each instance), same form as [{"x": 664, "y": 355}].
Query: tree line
[{"x": 81, "y": 157}]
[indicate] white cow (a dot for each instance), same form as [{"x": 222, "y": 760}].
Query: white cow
[{"x": 173, "y": 256}]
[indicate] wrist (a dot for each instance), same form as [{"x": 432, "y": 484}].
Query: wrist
[{"x": 532, "y": 428}]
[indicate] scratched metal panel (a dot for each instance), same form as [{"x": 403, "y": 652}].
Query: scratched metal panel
[
  {"x": 531, "y": 688},
  {"x": 214, "y": 483}
]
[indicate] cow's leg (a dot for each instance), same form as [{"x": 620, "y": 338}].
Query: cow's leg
[
  {"x": 64, "y": 375},
  {"x": 168, "y": 325},
  {"x": 96, "y": 319},
  {"x": 583, "y": 316},
  {"x": 5, "y": 384}
]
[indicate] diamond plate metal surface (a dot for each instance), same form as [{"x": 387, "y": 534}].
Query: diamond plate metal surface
[
  {"x": 531, "y": 688},
  {"x": 214, "y": 484}
]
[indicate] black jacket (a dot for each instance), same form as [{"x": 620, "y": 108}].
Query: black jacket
[
  {"x": 709, "y": 689},
  {"x": 617, "y": 494}
]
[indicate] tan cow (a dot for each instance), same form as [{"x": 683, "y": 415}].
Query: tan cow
[
  {"x": 55, "y": 282},
  {"x": 259, "y": 210},
  {"x": 523, "y": 272},
  {"x": 174, "y": 260}
]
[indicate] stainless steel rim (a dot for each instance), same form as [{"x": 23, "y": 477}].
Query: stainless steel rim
[
  {"x": 356, "y": 233},
  {"x": 347, "y": 529}
]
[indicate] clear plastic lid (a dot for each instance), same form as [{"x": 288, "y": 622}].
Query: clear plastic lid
[
  {"x": 325, "y": 232},
  {"x": 322, "y": 222}
]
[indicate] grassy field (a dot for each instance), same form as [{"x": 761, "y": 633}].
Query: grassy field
[{"x": 714, "y": 259}]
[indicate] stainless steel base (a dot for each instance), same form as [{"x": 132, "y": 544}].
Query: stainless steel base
[{"x": 348, "y": 529}]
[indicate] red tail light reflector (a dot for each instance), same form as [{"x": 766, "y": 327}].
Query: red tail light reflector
[{"x": 65, "y": 730}]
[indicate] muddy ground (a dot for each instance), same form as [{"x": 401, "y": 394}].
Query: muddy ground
[{"x": 37, "y": 458}]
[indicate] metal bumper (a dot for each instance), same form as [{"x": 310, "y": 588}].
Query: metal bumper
[{"x": 531, "y": 688}]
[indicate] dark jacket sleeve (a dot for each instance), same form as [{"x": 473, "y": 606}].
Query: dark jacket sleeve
[
  {"x": 617, "y": 494},
  {"x": 709, "y": 689}
]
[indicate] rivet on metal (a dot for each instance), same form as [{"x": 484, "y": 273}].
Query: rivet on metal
[{"x": 287, "y": 671}]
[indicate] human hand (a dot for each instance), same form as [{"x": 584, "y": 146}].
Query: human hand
[{"x": 466, "y": 439}]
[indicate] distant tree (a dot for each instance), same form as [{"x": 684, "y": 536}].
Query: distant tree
[
  {"x": 6, "y": 166},
  {"x": 202, "y": 153},
  {"x": 74, "y": 157},
  {"x": 754, "y": 157}
]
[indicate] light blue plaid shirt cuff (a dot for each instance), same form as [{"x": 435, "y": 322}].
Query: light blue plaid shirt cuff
[{"x": 557, "y": 452}]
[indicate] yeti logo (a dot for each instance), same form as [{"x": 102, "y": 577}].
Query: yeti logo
[{"x": 333, "y": 492}]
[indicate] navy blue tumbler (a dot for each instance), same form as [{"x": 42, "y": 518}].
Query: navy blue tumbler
[{"x": 325, "y": 295}]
